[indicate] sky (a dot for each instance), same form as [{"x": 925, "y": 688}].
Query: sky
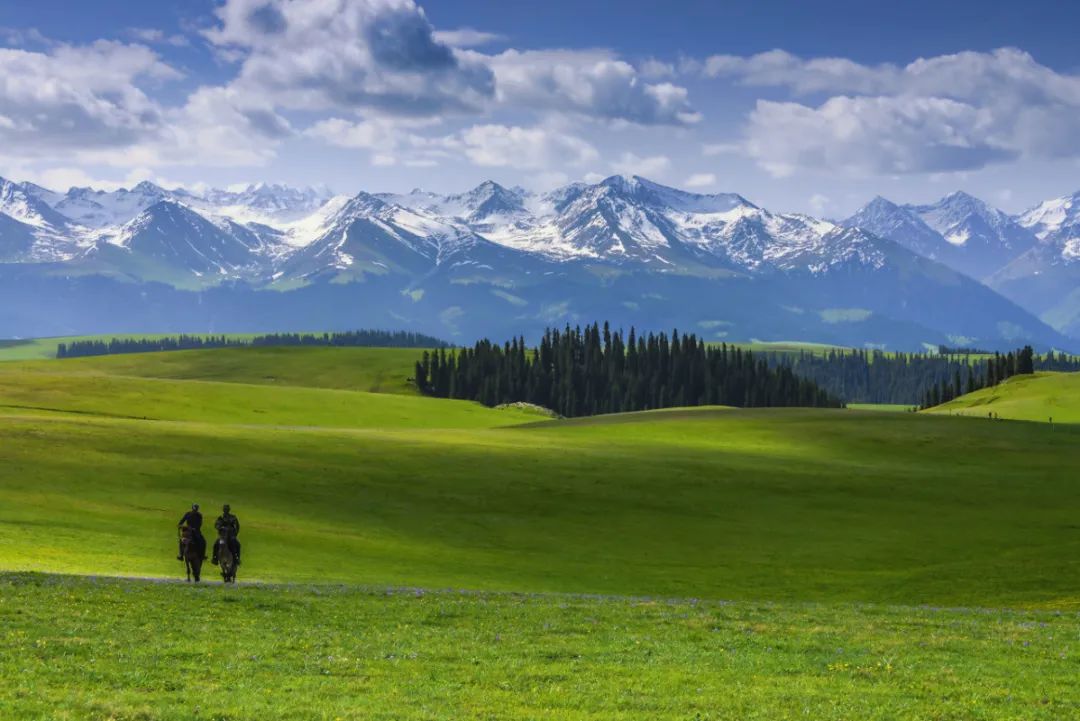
[{"x": 808, "y": 107}]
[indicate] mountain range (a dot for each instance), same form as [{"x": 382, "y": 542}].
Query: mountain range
[{"x": 499, "y": 261}]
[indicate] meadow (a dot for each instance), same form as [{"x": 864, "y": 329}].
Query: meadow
[
  {"x": 74, "y": 648},
  {"x": 42, "y": 348},
  {"x": 827, "y": 564},
  {"x": 1041, "y": 397}
]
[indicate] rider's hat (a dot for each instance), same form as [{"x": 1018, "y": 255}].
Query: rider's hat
[{"x": 194, "y": 506}]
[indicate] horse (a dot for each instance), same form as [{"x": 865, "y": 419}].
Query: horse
[
  {"x": 192, "y": 554},
  {"x": 226, "y": 560}
]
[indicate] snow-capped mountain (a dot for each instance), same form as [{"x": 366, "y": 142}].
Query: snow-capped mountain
[
  {"x": 959, "y": 230},
  {"x": 1055, "y": 219},
  {"x": 265, "y": 203},
  {"x": 174, "y": 237},
  {"x": 1046, "y": 278},
  {"x": 16, "y": 240},
  {"x": 99, "y": 209},
  {"x": 25, "y": 211},
  {"x": 492, "y": 257}
]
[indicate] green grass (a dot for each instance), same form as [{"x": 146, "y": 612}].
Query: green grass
[
  {"x": 1037, "y": 397},
  {"x": 377, "y": 370},
  {"x": 41, "y": 348},
  {"x": 826, "y": 543},
  {"x": 794, "y": 505},
  {"x": 100, "y": 649},
  {"x": 881, "y": 407}
]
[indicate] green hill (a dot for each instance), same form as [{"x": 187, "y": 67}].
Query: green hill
[
  {"x": 377, "y": 370},
  {"x": 42, "y": 348},
  {"x": 825, "y": 544},
  {"x": 1037, "y": 397},
  {"x": 352, "y": 486}
]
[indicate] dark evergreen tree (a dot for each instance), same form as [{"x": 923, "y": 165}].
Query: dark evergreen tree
[{"x": 585, "y": 371}]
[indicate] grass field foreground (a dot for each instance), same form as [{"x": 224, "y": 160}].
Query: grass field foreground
[{"x": 162, "y": 652}]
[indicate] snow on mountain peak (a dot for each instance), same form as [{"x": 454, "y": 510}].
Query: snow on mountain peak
[{"x": 1053, "y": 218}]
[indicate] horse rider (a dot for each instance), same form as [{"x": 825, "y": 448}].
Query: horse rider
[
  {"x": 231, "y": 525},
  {"x": 193, "y": 520}
]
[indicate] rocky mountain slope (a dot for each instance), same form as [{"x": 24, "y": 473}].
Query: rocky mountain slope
[{"x": 493, "y": 260}]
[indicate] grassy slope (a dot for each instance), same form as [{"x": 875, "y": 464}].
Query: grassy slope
[
  {"x": 787, "y": 505},
  {"x": 378, "y": 370},
  {"x": 882, "y": 407},
  {"x": 42, "y": 348},
  {"x": 1027, "y": 398},
  {"x": 78, "y": 649},
  {"x": 376, "y": 488}
]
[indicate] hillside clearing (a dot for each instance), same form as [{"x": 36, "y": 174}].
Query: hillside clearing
[{"x": 1037, "y": 397}]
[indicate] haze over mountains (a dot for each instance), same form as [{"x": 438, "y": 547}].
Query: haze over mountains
[{"x": 496, "y": 260}]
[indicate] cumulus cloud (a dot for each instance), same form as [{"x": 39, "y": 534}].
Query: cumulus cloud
[
  {"x": 466, "y": 37},
  {"x": 517, "y": 147},
  {"x": 372, "y": 134},
  {"x": 651, "y": 166},
  {"x": 593, "y": 84},
  {"x": 943, "y": 114},
  {"x": 74, "y": 97},
  {"x": 878, "y": 135},
  {"x": 153, "y": 36},
  {"x": 819, "y": 203},
  {"x": 216, "y": 127},
  {"x": 369, "y": 73},
  {"x": 654, "y": 69},
  {"x": 349, "y": 54},
  {"x": 390, "y": 140},
  {"x": 488, "y": 145},
  {"x": 700, "y": 180}
]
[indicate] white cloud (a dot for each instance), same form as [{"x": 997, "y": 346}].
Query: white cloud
[
  {"x": 655, "y": 69},
  {"x": 780, "y": 68},
  {"x": 518, "y": 147},
  {"x": 722, "y": 148},
  {"x": 73, "y": 97},
  {"x": 64, "y": 177},
  {"x": 390, "y": 140},
  {"x": 216, "y": 127},
  {"x": 153, "y": 36},
  {"x": 548, "y": 180},
  {"x": 879, "y": 135},
  {"x": 593, "y": 84},
  {"x": 819, "y": 203},
  {"x": 942, "y": 114},
  {"x": 466, "y": 38},
  {"x": 378, "y": 133},
  {"x": 700, "y": 180},
  {"x": 651, "y": 166},
  {"x": 378, "y": 55}
]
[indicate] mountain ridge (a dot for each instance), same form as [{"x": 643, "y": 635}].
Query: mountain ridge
[{"x": 560, "y": 255}]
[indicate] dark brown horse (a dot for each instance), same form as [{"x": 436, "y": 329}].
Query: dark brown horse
[
  {"x": 226, "y": 559},
  {"x": 192, "y": 554}
]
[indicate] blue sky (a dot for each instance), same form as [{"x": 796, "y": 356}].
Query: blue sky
[{"x": 812, "y": 107}]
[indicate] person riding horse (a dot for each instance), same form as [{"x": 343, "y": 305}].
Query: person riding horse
[
  {"x": 193, "y": 520},
  {"x": 230, "y": 524}
]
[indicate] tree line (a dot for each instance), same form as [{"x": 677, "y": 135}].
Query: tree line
[
  {"x": 365, "y": 338},
  {"x": 586, "y": 371},
  {"x": 993, "y": 370},
  {"x": 862, "y": 376}
]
